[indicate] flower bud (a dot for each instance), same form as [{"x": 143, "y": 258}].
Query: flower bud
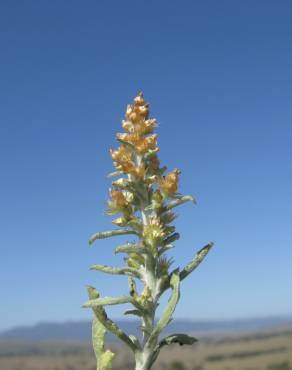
[
  {"x": 169, "y": 184},
  {"x": 127, "y": 125},
  {"x": 153, "y": 232},
  {"x": 139, "y": 100},
  {"x": 121, "y": 221},
  {"x": 143, "y": 111}
]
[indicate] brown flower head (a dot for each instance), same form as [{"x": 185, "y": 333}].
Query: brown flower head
[
  {"x": 169, "y": 183},
  {"x": 117, "y": 201},
  {"x": 123, "y": 158}
]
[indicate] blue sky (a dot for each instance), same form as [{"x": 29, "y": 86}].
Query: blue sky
[{"x": 218, "y": 77}]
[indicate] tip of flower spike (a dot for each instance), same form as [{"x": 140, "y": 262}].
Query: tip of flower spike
[{"x": 139, "y": 99}]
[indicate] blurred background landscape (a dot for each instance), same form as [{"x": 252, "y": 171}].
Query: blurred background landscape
[
  {"x": 258, "y": 344},
  {"x": 218, "y": 77}
]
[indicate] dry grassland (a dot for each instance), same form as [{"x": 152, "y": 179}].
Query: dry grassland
[{"x": 269, "y": 351}]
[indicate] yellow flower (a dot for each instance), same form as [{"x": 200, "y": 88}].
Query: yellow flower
[
  {"x": 135, "y": 260},
  {"x": 149, "y": 125},
  {"x": 127, "y": 125},
  {"x": 153, "y": 232},
  {"x": 169, "y": 183},
  {"x": 122, "y": 154},
  {"x": 145, "y": 298},
  {"x": 157, "y": 200},
  {"x": 146, "y": 294},
  {"x": 139, "y": 100},
  {"x": 123, "y": 158},
  {"x": 117, "y": 202},
  {"x": 138, "y": 111},
  {"x": 141, "y": 144},
  {"x": 139, "y": 171},
  {"x": 141, "y": 128}
]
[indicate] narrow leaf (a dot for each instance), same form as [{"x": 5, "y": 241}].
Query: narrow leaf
[
  {"x": 181, "y": 339},
  {"x": 181, "y": 200},
  {"x": 104, "y": 358},
  {"x": 201, "y": 254},
  {"x": 108, "y": 323},
  {"x": 98, "y": 335},
  {"x": 170, "y": 239},
  {"x": 105, "y": 361},
  {"x": 133, "y": 312},
  {"x": 116, "y": 270},
  {"x": 167, "y": 314},
  {"x": 131, "y": 248},
  {"x": 115, "y": 173},
  {"x": 108, "y": 234},
  {"x": 107, "y": 301}
]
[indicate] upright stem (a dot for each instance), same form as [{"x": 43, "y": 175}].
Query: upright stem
[{"x": 144, "y": 357}]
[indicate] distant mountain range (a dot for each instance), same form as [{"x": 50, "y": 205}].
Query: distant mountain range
[{"x": 80, "y": 331}]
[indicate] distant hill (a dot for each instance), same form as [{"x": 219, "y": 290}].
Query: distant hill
[{"x": 80, "y": 331}]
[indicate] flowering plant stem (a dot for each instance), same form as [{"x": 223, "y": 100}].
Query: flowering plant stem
[{"x": 144, "y": 198}]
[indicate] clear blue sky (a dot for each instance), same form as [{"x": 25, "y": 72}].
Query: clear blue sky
[{"x": 218, "y": 77}]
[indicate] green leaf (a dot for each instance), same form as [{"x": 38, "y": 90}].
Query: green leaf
[
  {"x": 181, "y": 200},
  {"x": 107, "y": 301},
  {"x": 131, "y": 248},
  {"x": 98, "y": 335},
  {"x": 105, "y": 361},
  {"x": 181, "y": 339},
  {"x": 201, "y": 254},
  {"x": 116, "y": 270},
  {"x": 108, "y": 234},
  {"x": 164, "y": 249},
  {"x": 171, "y": 305},
  {"x": 104, "y": 358},
  {"x": 92, "y": 292},
  {"x": 133, "y": 312},
  {"x": 101, "y": 315},
  {"x": 170, "y": 239},
  {"x": 115, "y": 173},
  {"x": 167, "y": 217},
  {"x": 136, "y": 225}
]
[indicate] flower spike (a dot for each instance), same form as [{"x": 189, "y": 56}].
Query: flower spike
[{"x": 142, "y": 198}]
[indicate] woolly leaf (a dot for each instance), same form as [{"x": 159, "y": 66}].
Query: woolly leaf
[
  {"x": 116, "y": 270},
  {"x": 167, "y": 314},
  {"x": 170, "y": 239},
  {"x": 108, "y": 234},
  {"x": 181, "y": 200},
  {"x": 201, "y": 254},
  {"x": 115, "y": 173},
  {"x": 105, "y": 361},
  {"x": 131, "y": 248},
  {"x": 181, "y": 339},
  {"x": 101, "y": 315},
  {"x": 133, "y": 312},
  {"x": 107, "y": 301},
  {"x": 104, "y": 358}
]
